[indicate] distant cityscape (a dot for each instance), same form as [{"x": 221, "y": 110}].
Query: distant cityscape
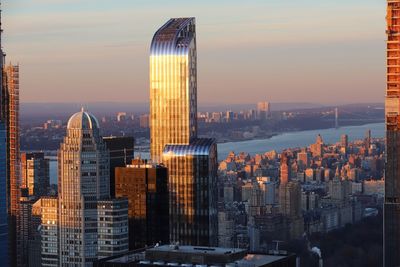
[{"x": 153, "y": 188}]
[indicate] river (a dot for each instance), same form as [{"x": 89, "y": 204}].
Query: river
[{"x": 280, "y": 142}]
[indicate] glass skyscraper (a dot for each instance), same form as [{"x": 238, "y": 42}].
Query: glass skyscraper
[
  {"x": 191, "y": 161},
  {"x": 173, "y": 85},
  {"x": 392, "y": 173}
]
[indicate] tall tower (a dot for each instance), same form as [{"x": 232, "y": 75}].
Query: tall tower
[
  {"x": 3, "y": 161},
  {"x": 83, "y": 162},
  {"x": 11, "y": 73},
  {"x": 392, "y": 108},
  {"x": 191, "y": 161},
  {"x": 173, "y": 85}
]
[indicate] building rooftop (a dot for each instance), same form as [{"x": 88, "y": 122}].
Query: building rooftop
[
  {"x": 83, "y": 120},
  {"x": 171, "y": 255},
  {"x": 198, "y": 147}
]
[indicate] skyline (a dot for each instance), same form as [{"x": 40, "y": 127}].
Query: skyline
[{"x": 270, "y": 58}]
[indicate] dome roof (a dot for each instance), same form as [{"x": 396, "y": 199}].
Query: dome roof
[{"x": 82, "y": 120}]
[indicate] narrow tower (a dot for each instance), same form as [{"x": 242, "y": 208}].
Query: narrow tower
[
  {"x": 392, "y": 174},
  {"x": 191, "y": 161},
  {"x": 173, "y": 85}
]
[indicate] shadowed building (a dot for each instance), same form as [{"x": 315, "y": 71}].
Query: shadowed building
[
  {"x": 121, "y": 150},
  {"x": 4, "y": 238},
  {"x": 193, "y": 192},
  {"x": 146, "y": 188},
  {"x": 392, "y": 175},
  {"x": 191, "y": 162}
]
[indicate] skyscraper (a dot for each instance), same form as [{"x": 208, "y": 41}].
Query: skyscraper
[
  {"x": 173, "y": 85},
  {"x": 83, "y": 161},
  {"x": 263, "y": 110},
  {"x": 191, "y": 162},
  {"x": 392, "y": 107},
  {"x": 192, "y": 171}
]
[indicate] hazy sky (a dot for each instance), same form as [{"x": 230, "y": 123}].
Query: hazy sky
[{"x": 325, "y": 51}]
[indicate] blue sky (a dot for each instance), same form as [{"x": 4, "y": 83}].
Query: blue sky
[{"x": 280, "y": 51}]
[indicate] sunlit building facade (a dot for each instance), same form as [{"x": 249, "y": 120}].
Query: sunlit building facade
[
  {"x": 392, "y": 174},
  {"x": 90, "y": 223},
  {"x": 193, "y": 192},
  {"x": 35, "y": 173},
  {"x": 49, "y": 232},
  {"x": 83, "y": 162},
  {"x": 173, "y": 85},
  {"x": 191, "y": 162},
  {"x": 146, "y": 188}
]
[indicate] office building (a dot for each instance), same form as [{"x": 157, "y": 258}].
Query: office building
[
  {"x": 112, "y": 217},
  {"x": 49, "y": 231},
  {"x": 25, "y": 230},
  {"x": 84, "y": 184},
  {"x": 35, "y": 173},
  {"x": 34, "y": 238},
  {"x": 146, "y": 188},
  {"x": 392, "y": 109},
  {"x": 121, "y": 151},
  {"x": 191, "y": 162}
]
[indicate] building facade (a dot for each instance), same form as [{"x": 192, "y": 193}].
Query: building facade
[
  {"x": 173, "y": 85},
  {"x": 49, "y": 232},
  {"x": 193, "y": 195},
  {"x": 4, "y": 239},
  {"x": 11, "y": 73},
  {"x": 83, "y": 162},
  {"x": 112, "y": 217},
  {"x": 89, "y": 224},
  {"x": 146, "y": 188},
  {"x": 191, "y": 162},
  {"x": 392, "y": 107},
  {"x": 35, "y": 173},
  {"x": 121, "y": 150}
]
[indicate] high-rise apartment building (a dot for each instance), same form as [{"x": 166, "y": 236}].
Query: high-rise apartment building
[
  {"x": 84, "y": 183},
  {"x": 112, "y": 223},
  {"x": 173, "y": 85},
  {"x": 146, "y": 187},
  {"x": 192, "y": 171},
  {"x": 11, "y": 77},
  {"x": 392, "y": 107},
  {"x": 35, "y": 173},
  {"x": 191, "y": 162}
]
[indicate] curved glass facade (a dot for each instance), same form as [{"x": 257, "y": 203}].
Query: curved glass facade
[
  {"x": 173, "y": 85},
  {"x": 191, "y": 162}
]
